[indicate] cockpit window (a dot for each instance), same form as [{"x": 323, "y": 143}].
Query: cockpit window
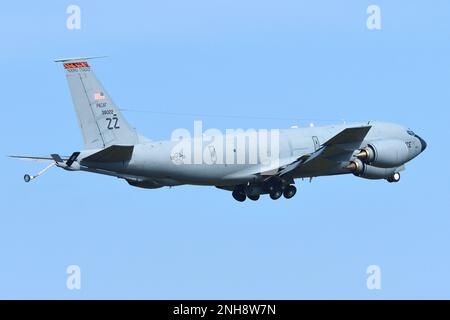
[{"x": 411, "y": 133}]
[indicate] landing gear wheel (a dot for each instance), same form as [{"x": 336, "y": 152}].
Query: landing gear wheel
[
  {"x": 273, "y": 186},
  {"x": 254, "y": 198},
  {"x": 276, "y": 194},
  {"x": 27, "y": 178},
  {"x": 289, "y": 192},
  {"x": 239, "y": 195},
  {"x": 394, "y": 178}
]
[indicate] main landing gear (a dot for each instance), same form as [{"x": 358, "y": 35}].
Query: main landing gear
[
  {"x": 276, "y": 194},
  {"x": 289, "y": 192},
  {"x": 253, "y": 197},
  {"x": 239, "y": 195},
  {"x": 275, "y": 191}
]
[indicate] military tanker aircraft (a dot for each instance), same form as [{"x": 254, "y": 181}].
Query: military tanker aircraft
[{"x": 370, "y": 150}]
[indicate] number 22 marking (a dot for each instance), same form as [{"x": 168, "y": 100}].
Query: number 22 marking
[{"x": 110, "y": 123}]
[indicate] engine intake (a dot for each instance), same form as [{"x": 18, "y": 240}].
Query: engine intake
[{"x": 385, "y": 153}]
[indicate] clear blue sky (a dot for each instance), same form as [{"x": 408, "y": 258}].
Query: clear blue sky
[{"x": 289, "y": 59}]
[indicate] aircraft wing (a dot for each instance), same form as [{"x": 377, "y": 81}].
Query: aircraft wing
[
  {"x": 349, "y": 135},
  {"x": 338, "y": 148}
]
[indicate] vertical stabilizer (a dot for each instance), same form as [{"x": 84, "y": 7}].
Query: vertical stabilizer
[{"x": 100, "y": 120}]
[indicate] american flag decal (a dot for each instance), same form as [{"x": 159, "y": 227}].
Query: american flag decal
[{"x": 99, "y": 96}]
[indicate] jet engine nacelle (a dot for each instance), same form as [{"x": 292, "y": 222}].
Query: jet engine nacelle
[
  {"x": 385, "y": 153},
  {"x": 366, "y": 171}
]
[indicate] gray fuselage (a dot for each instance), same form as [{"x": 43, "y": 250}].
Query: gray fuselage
[{"x": 155, "y": 164}]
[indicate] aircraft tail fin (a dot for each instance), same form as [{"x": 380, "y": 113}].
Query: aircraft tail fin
[{"x": 100, "y": 120}]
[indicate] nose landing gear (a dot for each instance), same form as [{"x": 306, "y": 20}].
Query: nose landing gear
[{"x": 394, "y": 178}]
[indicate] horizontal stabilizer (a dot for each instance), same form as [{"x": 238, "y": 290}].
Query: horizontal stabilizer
[
  {"x": 79, "y": 59},
  {"x": 114, "y": 153},
  {"x": 34, "y": 158}
]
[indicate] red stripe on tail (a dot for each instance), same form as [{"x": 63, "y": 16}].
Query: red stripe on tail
[{"x": 73, "y": 65}]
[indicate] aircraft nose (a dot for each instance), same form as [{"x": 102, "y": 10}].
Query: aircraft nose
[{"x": 422, "y": 142}]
